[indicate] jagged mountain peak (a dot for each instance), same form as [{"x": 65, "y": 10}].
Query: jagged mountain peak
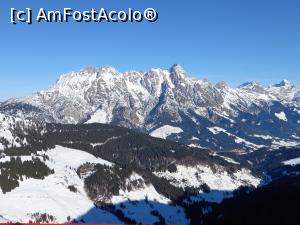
[
  {"x": 177, "y": 72},
  {"x": 221, "y": 85},
  {"x": 283, "y": 83},
  {"x": 253, "y": 87},
  {"x": 249, "y": 84},
  {"x": 99, "y": 70},
  {"x": 88, "y": 76},
  {"x": 177, "y": 67},
  {"x": 87, "y": 72}
]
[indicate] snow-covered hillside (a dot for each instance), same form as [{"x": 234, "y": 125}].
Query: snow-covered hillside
[
  {"x": 53, "y": 195},
  {"x": 140, "y": 203},
  {"x": 5, "y": 133},
  {"x": 220, "y": 183},
  {"x": 11, "y": 130},
  {"x": 165, "y": 131},
  {"x": 61, "y": 197}
]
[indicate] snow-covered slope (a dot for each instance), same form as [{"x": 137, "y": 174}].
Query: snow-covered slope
[
  {"x": 61, "y": 197},
  {"x": 140, "y": 203},
  {"x": 165, "y": 131},
  {"x": 12, "y": 130},
  {"x": 292, "y": 162},
  {"x": 53, "y": 196},
  {"x": 220, "y": 183},
  {"x": 159, "y": 99},
  {"x": 5, "y": 133}
]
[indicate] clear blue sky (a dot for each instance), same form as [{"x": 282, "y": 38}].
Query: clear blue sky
[{"x": 235, "y": 41}]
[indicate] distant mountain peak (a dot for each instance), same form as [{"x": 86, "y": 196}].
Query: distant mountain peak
[
  {"x": 283, "y": 83},
  {"x": 221, "y": 85},
  {"x": 178, "y": 69},
  {"x": 99, "y": 70},
  {"x": 251, "y": 84},
  {"x": 177, "y": 73}
]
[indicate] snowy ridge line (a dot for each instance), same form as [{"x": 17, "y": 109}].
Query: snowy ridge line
[{"x": 169, "y": 104}]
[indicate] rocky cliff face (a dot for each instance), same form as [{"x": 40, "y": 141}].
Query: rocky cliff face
[{"x": 171, "y": 105}]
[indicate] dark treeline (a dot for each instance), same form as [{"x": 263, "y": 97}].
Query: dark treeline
[
  {"x": 107, "y": 181},
  {"x": 15, "y": 170},
  {"x": 125, "y": 147}
]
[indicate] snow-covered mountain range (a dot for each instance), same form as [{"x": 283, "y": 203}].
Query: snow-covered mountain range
[{"x": 171, "y": 105}]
